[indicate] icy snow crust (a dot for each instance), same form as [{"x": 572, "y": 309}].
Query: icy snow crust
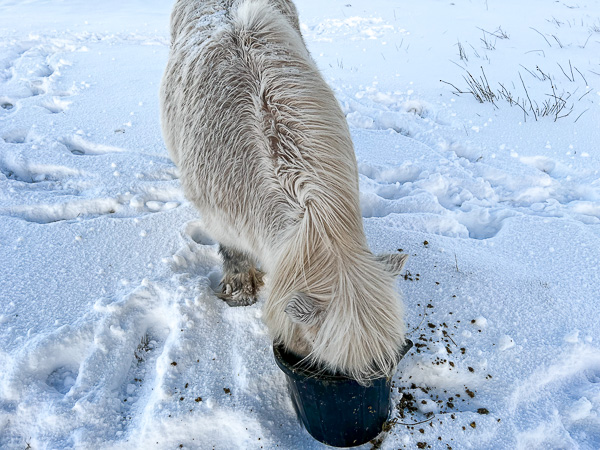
[{"x": 111, "y": 335}]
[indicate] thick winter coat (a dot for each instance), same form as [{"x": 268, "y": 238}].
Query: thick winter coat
[{"x": 265, "y": 154}]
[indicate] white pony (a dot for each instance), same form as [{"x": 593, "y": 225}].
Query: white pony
[{"x": 265, "y": 154}]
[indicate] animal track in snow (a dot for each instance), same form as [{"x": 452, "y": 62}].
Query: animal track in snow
[
  {"x": 70, "y": 210},
  {"x": 56, "y": 104},
  {"x": 17, "y": 169},
  {"x": 17, "y": 136},
  {"x": 7, "y": 63},
  {"x": 50, "y": 361},
  {"x": 63, "y": 193},
  {"x": 408, "y": 171},
  {"x": 374, "y": 110},
  {"x": 198, "y": 256},
  {"x": 31, "y": 69},
  {"x": 156, "y": 199},
  {"x": 168, "y": 174},
  {"x": 195, "y": 231},
  {"x": 448, "y": 203},
  {"x": 122, "y": 324},
  {"x": 447, "y": 187},
  {"x": 140, "y": 380},
  {"x": 571, "y": 380},
  {"x": 6, "y": 104},
  {"x": 467, "y": 197},
  {"x": 94, "y": 372},
  {"x": 62, "y": 379},
  {"x": 81, "y": 208},
  {"x": 81, "y": 147}
]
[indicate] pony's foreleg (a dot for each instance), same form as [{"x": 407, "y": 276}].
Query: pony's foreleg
[{"x": 241, "y": 279}]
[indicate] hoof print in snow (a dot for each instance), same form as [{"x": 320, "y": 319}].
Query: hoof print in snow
[
  {"x": 195, "y": 231},
  {"x": 80, "y": 147},
  {"x": 15, "y": 136},
  {"x": 62, "y": 379},
  {"x": 56, "y": 105}
]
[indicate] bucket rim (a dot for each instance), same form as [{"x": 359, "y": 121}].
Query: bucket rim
[{"x": 300, "y": 371}]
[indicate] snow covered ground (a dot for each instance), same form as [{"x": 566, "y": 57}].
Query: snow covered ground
[{"x": 110, "y": 333}]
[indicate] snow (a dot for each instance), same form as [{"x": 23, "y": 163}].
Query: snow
[{"x": 111, "y": 335}]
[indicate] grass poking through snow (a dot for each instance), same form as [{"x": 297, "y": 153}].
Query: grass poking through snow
[{"x": 556, "y": 105}]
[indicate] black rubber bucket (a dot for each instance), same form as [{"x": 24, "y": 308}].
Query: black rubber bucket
[{"x": 335, "y": 409}]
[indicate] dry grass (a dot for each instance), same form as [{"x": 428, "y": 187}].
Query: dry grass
[{"x": 555, "y": 105}]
